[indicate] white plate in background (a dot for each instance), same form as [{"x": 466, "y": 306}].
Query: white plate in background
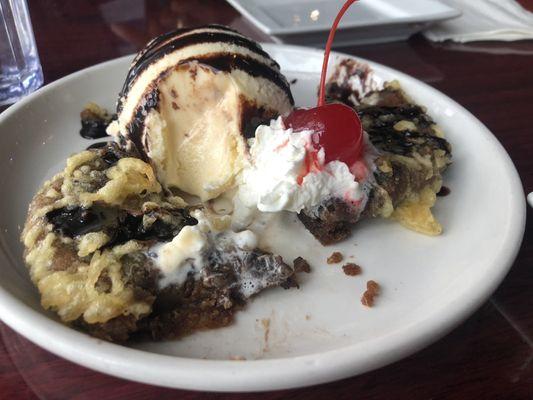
[
  {"x": 320, "y": 332},
  {"x": 307, "y": 22}
]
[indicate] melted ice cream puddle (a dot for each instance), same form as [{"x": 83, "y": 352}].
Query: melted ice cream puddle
[{"x": 186, "y": 254}]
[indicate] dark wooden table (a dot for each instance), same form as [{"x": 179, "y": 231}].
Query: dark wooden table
[{"x": 490, "y": 356}]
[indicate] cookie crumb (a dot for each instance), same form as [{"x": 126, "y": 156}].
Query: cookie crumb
[
  {"x": 351, "y": 269},
  {"x": 301, "y": 265},
  {"x": 237, "y": 358},
  {"x": 372, "y": 290},
  {"x": 335, "y": 258},
  {"x": 266, "y": 326}
]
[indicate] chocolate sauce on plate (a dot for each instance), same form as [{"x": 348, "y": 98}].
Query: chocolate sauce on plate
[
  {"x": 444, "y": 191},
  {"x": 97, "y": 145}
]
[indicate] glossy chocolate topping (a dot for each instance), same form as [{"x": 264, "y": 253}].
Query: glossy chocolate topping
[
  {"x": 220, "y": 62},
  {"x": 172, "y": 41},
  {"x": 227, "y": 62},
  {"x": 166, "y": 37},
  {"x": 135, "y": 128}
]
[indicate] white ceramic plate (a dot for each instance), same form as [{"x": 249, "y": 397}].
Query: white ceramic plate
[
  {"x": 320, "y": 332},
  {"x": 368, "y": 21}
]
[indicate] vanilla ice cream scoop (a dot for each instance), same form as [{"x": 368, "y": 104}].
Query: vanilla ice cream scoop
[{"x": 190, "y": 100}]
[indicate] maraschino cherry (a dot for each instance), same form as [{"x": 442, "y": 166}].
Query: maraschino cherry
[{"x": 338, "y": 126}]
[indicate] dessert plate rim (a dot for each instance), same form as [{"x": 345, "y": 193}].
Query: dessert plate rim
[{"x": 264, "y": 374}]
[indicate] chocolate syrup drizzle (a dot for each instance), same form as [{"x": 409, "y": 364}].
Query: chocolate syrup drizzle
[
  {"x": 162, "y": 39},
  {"x": 164, "y": 44},
  {"x": 227, "y": 62},
  {"x": 219, "y": 61},
  {"x": 149, "y": 102},
  {"x": 97, "y": 145}
]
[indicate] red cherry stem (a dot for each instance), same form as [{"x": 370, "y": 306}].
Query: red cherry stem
[{"x": 322, "y": 91}]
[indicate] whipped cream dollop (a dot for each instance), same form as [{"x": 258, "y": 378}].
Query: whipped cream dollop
[{"x": 286, "y": 172}]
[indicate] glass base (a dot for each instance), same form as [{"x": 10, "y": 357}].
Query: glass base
[{"x": 14, "y": 85}]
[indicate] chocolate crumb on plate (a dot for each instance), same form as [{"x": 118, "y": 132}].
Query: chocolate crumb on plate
[
  {"x": 372, "y": 290},
  {"x": 444, "y": 191},
  {"x": 301, "y": 265},
  {"x": 335, "y": 258},
  {"x": 351, "y": 269}
]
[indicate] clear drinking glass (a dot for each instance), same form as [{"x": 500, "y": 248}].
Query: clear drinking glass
[{"x": 20, "y": 68}]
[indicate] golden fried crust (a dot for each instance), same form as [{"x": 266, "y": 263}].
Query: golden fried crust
[
  {"x": 87, "y": 240},
  {"x": 69, "y": 271}
]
